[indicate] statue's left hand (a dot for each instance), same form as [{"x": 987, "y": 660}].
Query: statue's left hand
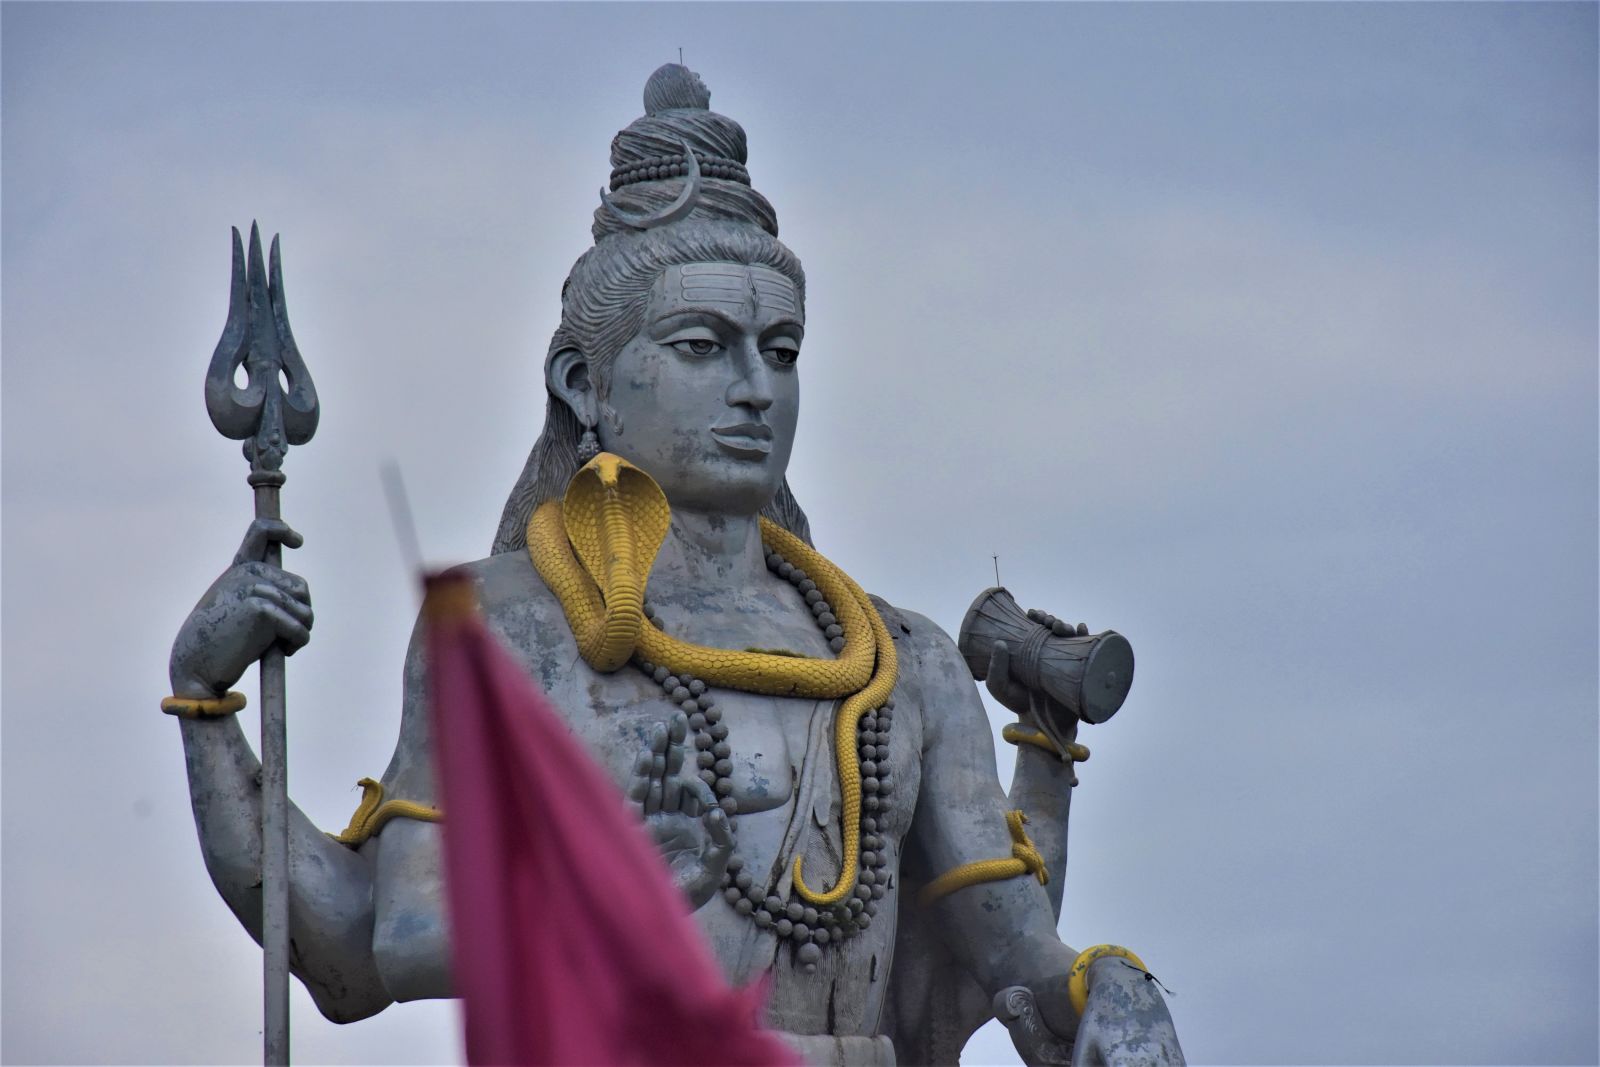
[
  {"x": 1005, "y": 688},
  {"x": 1125, "y": 1020},
  {"x": 681, "y": 812}
]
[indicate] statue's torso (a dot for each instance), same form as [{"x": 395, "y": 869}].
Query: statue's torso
[{"x": 615, "y": 714}]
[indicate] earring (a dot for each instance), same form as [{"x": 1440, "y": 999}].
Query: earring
[{"x": 588, "y": 446}]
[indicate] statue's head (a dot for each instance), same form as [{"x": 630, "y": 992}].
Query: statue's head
[{"x": 680, "y": 328}]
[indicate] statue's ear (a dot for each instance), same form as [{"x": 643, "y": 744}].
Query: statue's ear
[{"x": 567, "y": 376}]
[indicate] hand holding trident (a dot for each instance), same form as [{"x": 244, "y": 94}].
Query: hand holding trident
[{"x": 268, "y": 419}]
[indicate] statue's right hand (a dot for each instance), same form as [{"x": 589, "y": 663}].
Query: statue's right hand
[
  {"x": 681, "y": 812},
  {"x": 251, "y": 607}
]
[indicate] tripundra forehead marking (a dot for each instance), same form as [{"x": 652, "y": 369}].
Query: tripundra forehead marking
[{"x": 735, "y": 283}]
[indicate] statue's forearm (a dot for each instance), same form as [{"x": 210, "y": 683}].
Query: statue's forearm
[
  {"x": 1041, "y": 786},
  {"x": 1003, "y": 933},
  {"x": 330, "y": 908}
]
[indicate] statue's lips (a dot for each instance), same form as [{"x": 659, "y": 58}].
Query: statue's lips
[{"x": 745, "y": 438}]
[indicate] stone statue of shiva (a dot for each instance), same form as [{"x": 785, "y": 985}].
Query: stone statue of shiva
[{"x": 815, "y": 764}]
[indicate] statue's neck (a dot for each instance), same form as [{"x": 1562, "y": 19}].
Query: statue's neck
[{"x": 705, "y": 550}]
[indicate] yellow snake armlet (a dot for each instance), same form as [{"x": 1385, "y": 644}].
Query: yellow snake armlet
[
  {"x": 374, "y": 811},
  {"x": 1025, "y": 859},
  {"x": 1078, "y": 977},
  {"x": 214, "y": 708},
  {"x": 1017, "y": 734}
]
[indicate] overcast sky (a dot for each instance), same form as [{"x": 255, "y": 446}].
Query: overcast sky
[{"x": 1265, "y": 335}]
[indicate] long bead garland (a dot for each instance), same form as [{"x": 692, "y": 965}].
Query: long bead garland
[{"x": 809, "y": 928}]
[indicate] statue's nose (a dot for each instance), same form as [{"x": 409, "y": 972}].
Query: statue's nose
[{"x": 754, "y": 387}]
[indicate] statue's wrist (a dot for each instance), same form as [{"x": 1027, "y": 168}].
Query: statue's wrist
[
  {"x": 190, "y": 688},
  {"x": 1044, "y": 971}
]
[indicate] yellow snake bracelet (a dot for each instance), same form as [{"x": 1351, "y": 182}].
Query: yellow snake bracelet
[
  {"x": 206, "y": 708},
  {"x": 1017, "y": 734},
  {"x": 1025, "y": 859},
  {"x": 594, "y": 550},
  {"x": 1078, "y": 976}
]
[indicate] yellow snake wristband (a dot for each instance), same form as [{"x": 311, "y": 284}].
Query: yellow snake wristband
[
  {"x": 1078, "y": 977},
  {"x": 1016, "y": 734},
  {"x": 212, "y": 708}
]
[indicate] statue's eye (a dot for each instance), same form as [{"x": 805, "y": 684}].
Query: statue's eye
[
  {"x": 697, "y": 346},
  {"x": 783, "y": 355}
]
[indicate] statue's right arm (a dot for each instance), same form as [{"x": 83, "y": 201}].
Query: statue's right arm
[{"x": 251, "y": 606}]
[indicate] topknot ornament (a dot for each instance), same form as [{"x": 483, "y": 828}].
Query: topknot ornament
[{"x": 673, "y": 87}]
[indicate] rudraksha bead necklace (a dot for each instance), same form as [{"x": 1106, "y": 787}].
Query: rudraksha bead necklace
[{"x": 809, "y": 928}]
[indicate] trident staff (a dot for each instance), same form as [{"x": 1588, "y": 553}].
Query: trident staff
[{"x": 268, "y": 419}]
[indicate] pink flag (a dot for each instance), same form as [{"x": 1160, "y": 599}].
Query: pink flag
[{"x": 570, "y": 942}]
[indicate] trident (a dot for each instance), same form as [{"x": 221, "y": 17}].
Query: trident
[{"x": 269, "y": 418}]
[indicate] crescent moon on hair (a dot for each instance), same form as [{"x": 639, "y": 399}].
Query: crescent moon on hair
[{"x": 678, "y": 209}]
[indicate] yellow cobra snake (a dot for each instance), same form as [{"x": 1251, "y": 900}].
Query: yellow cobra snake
[{"x": 594, "y": 549}]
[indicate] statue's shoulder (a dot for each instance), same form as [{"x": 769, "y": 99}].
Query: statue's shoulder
[
  {"x": 923, "y": 646},
  {"x": 935, "y": 679},
  {"x": 517, "y": 604}
]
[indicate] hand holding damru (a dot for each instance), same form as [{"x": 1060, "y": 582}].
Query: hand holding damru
[
  {"x": 1005, "y": 687},
  {"x": 247, "y": 610}
]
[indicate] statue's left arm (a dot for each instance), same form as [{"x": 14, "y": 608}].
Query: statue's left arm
[{"x": 1003, "y": 931}]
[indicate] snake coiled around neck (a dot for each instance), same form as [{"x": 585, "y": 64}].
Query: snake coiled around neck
[{"x": 594, "y": 549}]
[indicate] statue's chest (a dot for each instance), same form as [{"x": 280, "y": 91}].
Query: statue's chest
[
  {"x": 754, "y": 746},
  {"x": 759, "y": 749}
]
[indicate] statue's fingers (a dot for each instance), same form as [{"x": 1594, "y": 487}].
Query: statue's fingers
[
  {"x": 677, "y": 734},
  {"x": 721, "y": 833},
  {"x": 297, "y": 609},
  {"x": 658, "y": 739},
  {"x": 267, "y": 583},
  {"x": 999, "y": 678},
  {"x": 260, "y": 534},
  {"x": 639, "y": 783},
  {"x": 1083, "y": 629},
  {"x": 1061, "y": 629},
  {"x": 652, "y": 800},
  {"x": 291, "y": 633},
  {"x": 696, "y": 797},
  {"x": 1086, "y": 1050},
  {"x": 290, "y": 583},
  {"x": 671, "y": 781}
]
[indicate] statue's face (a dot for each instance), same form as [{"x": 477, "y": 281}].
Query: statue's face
[{"x": 707, "y": 393}]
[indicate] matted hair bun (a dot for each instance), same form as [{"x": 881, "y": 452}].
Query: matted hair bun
[
  {"x": 649, "y": 166},
  {"x": 674, "y": 85}
]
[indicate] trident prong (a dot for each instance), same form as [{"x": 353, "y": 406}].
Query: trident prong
[{"x": 257, "y": 336}]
